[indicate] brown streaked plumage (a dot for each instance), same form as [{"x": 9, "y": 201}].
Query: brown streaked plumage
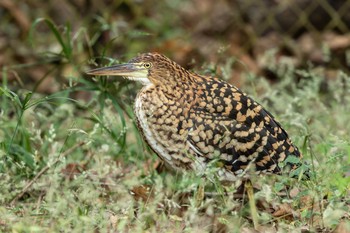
[{"x": 190, "y": 119}]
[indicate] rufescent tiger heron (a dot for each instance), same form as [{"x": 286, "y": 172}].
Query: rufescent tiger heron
[{"x": 191, "y": 120}]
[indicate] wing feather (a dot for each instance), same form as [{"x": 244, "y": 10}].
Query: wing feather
[{"x": 230, "y": 126}]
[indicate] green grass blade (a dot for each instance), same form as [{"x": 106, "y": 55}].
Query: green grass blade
[{"x": 65, "y": 43}]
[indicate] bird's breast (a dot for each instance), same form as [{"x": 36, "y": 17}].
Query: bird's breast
[{"x": 161, "y": 122}]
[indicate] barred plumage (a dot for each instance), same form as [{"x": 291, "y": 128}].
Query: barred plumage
[{"x": 190, "y": 120}]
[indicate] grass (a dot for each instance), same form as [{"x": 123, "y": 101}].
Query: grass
[{"x": 91, "y": 171}]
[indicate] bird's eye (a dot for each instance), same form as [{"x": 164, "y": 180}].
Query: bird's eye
[{"x": 147, "y": 65}]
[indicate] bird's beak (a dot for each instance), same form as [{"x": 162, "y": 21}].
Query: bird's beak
[
  {"x": 127, "y": 70},
  {"x": 131, "y": 71}
]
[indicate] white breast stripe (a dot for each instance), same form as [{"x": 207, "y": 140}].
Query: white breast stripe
[{"x": 150, "y": 137}]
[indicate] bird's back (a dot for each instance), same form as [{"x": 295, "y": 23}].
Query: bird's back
[{"x": 239, "y": 129}]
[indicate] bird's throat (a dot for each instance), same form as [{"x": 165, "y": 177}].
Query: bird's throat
[{"x": 144, "y": 81}]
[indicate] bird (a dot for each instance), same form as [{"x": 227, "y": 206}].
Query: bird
[{"x": 194, "y": 122}]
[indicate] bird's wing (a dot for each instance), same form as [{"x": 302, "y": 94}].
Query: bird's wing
[{"x": 228, "y": 125}]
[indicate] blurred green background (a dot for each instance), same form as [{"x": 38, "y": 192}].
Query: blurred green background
[{"x": 193, "y": 33}]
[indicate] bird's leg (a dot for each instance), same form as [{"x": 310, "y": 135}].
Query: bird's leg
[{"x": 252, "y": 205}]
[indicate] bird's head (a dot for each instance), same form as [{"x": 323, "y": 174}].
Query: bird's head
[{"x": 147, "y": 68}]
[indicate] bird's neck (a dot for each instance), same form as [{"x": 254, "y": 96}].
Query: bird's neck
[{"x": 181, "y": 89}]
